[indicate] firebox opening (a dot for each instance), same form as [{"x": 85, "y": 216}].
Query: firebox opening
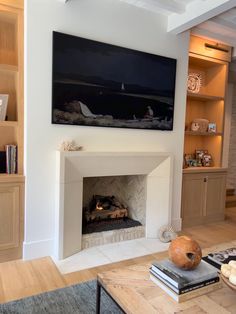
[
  {"x": 106, "y": 213},
  {"x": 103, "y": 211}
]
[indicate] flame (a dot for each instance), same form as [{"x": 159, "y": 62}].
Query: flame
[{"x": 98, "y": 207}]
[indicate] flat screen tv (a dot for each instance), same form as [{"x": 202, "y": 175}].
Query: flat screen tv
[{"x": 98, "y": 84}]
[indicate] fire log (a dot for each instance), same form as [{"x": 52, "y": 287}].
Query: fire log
[{"x": 96, "y": 215}]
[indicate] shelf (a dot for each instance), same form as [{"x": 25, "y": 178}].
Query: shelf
[
  {"x": 8, "y": 68},
  {"x": 19, "y": 4},
  {"x": 198, "y": 60},
  {"x": 203, "y": 169},
  {"x": 195, "y": 133},
  {"x": 202, "y": 97},
  {"x": 8, "y": 124},
  {"x": 8, "y": 178}
]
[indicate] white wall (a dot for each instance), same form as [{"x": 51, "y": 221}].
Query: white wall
[{"x": 109, "y": 21}]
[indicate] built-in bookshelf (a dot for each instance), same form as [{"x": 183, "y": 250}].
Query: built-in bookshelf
[
  {"x": 11, "y": 128},
  {"x": 11, "y": 76},
  {"x": 203, "y": 189},
  {"x": 207, "y": 104}
]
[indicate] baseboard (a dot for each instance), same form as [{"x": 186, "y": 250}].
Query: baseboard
[
  {"x": 177, "y": 224},
  {"x": 37, "y": 249}
]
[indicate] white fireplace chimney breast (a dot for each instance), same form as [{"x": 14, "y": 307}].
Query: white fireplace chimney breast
[{"x": 72, "y": 167}]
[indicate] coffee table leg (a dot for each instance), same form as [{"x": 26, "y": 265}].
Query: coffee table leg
[{"x": 98, "y": 299}]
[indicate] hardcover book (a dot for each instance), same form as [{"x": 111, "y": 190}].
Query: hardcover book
[
  {"x": 11, "y": 151},
  {"x": 187, "y": 288},
  {"x": 186, "y": 296},
  {"x": 180, "y": 278},
  {"x": 224, "y": 256}
]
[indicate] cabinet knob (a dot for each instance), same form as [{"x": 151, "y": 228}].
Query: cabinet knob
[{"x": 205, "y": 179}]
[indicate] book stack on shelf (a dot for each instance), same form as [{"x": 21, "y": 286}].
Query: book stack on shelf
[
  {"x": 11, "y": 157},
  {"x": 183, "y": 285}
]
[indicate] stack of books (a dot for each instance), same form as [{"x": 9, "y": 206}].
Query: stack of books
[
  {"x": 181, "y": 284},
  {"x": 11, "y": 151}
]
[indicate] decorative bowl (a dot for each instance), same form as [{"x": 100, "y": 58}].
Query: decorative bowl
[
  {"x": 185, "y": 252},
  {"x": 227, "y": 282}
]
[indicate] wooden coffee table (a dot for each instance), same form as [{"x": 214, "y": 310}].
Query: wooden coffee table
[{"x": 133, "y": 291}]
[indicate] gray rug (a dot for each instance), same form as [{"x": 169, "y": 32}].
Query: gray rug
[{"x": 77, "y": 299}]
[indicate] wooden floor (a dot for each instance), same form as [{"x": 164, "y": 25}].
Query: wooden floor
[
  {"x": 231, "y": 214},
  {"x": 20, "y": 279}
]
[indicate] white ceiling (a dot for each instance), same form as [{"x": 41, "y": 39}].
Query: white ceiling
[{"x": 214, "y": 19}]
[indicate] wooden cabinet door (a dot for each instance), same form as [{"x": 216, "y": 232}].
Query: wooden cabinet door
[
  {"x": 203, "y": 198},
  {"x": 11, "y": 221},
  {"x": 215, "y": 201},
  {"x": 193, "y": 199}
]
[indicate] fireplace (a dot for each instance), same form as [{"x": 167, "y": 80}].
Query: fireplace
[
  {"x": 151, "y": 172},
  {"x": 114, "y": 209}
]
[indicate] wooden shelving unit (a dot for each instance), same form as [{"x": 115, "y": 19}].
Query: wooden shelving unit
[
  {"x": 11, "y": 130},
  {"x": 203, "y": 193},
  {"x": 11, "y": 75},
  {"x": 207, "y": 104}
]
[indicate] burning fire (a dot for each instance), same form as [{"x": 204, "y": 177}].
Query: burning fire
[{"x": 98, "y": 206}]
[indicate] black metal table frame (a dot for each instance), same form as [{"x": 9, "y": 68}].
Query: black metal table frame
[{"x": 98, "y": 298}]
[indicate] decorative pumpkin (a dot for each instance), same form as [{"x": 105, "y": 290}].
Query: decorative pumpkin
[{"x": 185, "y": 252}]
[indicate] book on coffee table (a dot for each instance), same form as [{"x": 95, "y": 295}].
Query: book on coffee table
[
  {"x": 186, "y": 296},
  {"x": 224, "y": 256},
  {"x": 188, "y": 288},
  {"x": 180, "y": 278}
]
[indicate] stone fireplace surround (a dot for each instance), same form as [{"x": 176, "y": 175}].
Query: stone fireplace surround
[{"x": 72, "y": 167}]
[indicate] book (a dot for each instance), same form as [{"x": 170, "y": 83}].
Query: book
[
  {"x": 224, "y": 256},
  {"x": 189, "y": 295},
  {"x": 2, "y": 162},
  {"x": 180, "y": 278},
  {"x": 3, "y": 106},
  {"x": 187, "y": 288},
  {"x": 11, "y": 152}
]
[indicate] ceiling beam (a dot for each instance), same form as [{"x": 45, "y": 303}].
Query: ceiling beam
[
  {"x": 172, "y": 6},
  {"x": 196, "y": 13},
  {"x": 169, "y": 5},
  {"x": 223, "y": 22}
]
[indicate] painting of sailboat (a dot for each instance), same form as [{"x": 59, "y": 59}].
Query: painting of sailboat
[{"x": 96, "y": 84}]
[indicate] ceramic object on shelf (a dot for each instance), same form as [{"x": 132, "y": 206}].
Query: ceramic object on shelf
[
  {"x": 200, "y": 125},
  {"x": 194, "y": 82}
]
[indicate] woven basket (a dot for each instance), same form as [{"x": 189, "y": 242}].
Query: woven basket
[{"x": 203, "y": 124}]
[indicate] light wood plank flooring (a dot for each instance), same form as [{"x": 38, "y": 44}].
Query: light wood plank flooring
[
  {"x": 230, "y": 214},
  {"x": 20, "y": 279}
]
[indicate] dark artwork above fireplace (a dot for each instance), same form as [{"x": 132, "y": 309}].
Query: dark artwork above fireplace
[{"x": 97, "y": 84}]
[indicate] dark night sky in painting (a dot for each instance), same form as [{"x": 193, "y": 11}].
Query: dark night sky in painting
[
  {"x": 83, "y": 58},
  {"x": 111, "y": 80}
]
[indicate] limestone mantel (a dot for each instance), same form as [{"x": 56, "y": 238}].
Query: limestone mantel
[{"x": 72, "y": 167}]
